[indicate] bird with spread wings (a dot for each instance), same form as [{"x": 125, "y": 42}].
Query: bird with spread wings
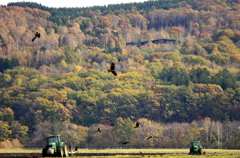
[
  {"x": 137, "y": 125},
  {"x": 99, "y": 130},
  {"x": 37, "y": 34},
  {"x": 148, "y": 137},
  {"x": 112, "y": 69}
]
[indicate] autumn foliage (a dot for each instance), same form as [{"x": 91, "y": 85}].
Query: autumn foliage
[{"x": 177, "y": 91}]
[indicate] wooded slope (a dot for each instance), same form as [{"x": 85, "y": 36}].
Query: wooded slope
[{"x": 63, "y": 76}]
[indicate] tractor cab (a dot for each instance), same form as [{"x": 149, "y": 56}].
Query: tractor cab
[
  {"x": 195, "y": 143},
  {"x": 54, "y": 139}
]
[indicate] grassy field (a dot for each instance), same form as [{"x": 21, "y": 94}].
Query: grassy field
[{"x": 165, "y": 153}]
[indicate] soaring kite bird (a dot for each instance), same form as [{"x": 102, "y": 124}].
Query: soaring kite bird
[
  {"x": 137, "y": 125},
  {"x": 99, "y": 130},
  {"x": 148, "y": 137},
  {"x": 37, "y": 34},
  {"x": 112, "y": 69}
]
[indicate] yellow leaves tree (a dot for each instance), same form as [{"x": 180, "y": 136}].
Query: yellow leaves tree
[
  {"x": 73, "y": 134},
  {"x": 50, "y": 110},
  {"x": 5, "y": 131},
  {"x": 6, "y": 114},
  {"x": 77, "y": 69},
  {"x": 194, "y": 132},
  {"x": 19, "y": 131},
  {"x": 138, "y": 58},
  {"x": 212, "y": 89},
  {"x": 155, "y": 68},
  {"x": 177, "y": 32},
  {"x": 235, "y": 58}
]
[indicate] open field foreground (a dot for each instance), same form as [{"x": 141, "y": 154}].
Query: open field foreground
[{"x": 122, "y": 153}]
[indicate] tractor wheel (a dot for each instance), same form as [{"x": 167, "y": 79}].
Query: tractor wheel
[
  {"x": 65, "y": 151},
  {"x": 191, "y": 151},
  {"x": 60, "y": 152},
  {"x": 71, "y": 153},
  {"x": 200, "y": 151},
  {"x": 44, "y": 152}
]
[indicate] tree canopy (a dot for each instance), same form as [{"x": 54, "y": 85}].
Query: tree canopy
[{"x": 174, "y": 89}]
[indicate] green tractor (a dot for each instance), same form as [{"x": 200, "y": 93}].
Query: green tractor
[
  {"x": 55, "y": 147},
  {"x": 196, "y": 148}
]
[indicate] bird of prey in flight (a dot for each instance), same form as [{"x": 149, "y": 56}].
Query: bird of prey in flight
[
  {"x": 148, "y": 137},
  {"x": 132, "y": 117},
  {"x": 37, "y": 34},
  {"x": 137, "y": 125},
  {"x": 112, "y": 69}
]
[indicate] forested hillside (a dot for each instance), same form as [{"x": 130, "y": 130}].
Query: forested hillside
[{"x": 59, "y": 83}]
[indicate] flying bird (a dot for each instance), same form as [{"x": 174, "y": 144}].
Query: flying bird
[
  {"x": 132, "y": 117},
  {"x": 112, "y": 69},
  {"x": 148, "y": 137},
  {"x": 137, "y": 125},
  {"x": 125, "y": 142},
  {"x": 99, "y": 130},
  {"x": 91, "y": 105},
  {"x": 37, "y": 34}
]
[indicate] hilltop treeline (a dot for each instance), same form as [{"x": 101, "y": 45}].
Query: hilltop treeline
[
  {"x": 62, "y": 77},
  {"x": 61, "y": 15}
]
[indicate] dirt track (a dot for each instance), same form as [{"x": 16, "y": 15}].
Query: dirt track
[{"x": 20, "y": 155}]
